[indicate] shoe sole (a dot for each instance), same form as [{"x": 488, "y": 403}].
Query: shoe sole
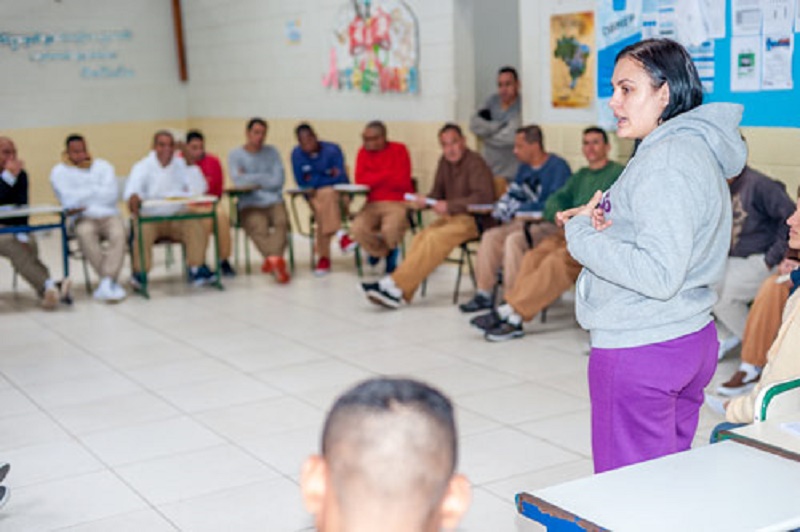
[
  {"x": 321, "y": 273},
  {"x": 5, "y": 494},
  {"x": 50, "y": 299},
  {"x": 383, "y": 301},
  {"x": 4, "y": 469},
  {"x": 473, "y": 310},
  {"x": 735, "y": 392},
  {"x": 503, "y": 338}
]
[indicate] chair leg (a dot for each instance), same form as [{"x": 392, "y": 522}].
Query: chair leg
[
  {"x": 86, "y": 278},
  {"x": 312, "y": 250},
  {"x": 544, "y": 314},
  {"x": 464, "y": 252},
  {"x": 290, "y": 242},
  {"x": 246, "y": 253},
  {"x": 359, "y": 265}
]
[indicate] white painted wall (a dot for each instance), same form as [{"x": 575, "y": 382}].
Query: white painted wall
[
  {"x": 36, "y": 94},
  {"x": 534, "y": 21},
  {"x": 497, "y": 38},
  {"x": 241, "y": 65}
]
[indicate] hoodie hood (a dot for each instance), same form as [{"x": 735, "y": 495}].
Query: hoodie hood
[{"x": 716, "y": 124}]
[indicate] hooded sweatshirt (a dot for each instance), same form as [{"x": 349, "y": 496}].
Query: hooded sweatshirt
[
  {"x": 647, "y": 278},
  {"x": 94, "y": 187}
]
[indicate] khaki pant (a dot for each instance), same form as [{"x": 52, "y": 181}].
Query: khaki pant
[
  {"x": 267, "y": 227},
  {"x": 25, "y": 260},
  {"x": 327, "y": 206},
  {"x": 504, "y": 246},
  {"x": 223, "y": 230},
  {"x": 189, "y": 232},
  {"x": 764, "y": 321},
  {"x": 546, "y": 272},
  {"x": 380, "y": 226},
  {"x": 430, "y": 248},
  {"x": 91, "y": 233}
]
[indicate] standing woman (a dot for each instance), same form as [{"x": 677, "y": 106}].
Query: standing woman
[{"x": 652, "y": 247}]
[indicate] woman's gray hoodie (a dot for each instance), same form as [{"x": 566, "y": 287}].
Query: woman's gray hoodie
[{"x": 648, "y": 277}]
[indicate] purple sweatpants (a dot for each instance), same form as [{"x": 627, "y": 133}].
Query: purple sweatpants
[{"x": 646, "y": 400}]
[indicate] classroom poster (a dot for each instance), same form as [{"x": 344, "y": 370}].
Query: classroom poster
[
  {"x": 374, "y": 48},
  {"x": 572, "y": 60},
  {"x": 619, "y": 24}
]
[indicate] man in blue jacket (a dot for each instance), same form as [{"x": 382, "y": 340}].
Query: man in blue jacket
[{"x": 318, "y": 165}]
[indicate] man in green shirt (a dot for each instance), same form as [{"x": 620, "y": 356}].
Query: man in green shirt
[{"x": 548, "y": 270}]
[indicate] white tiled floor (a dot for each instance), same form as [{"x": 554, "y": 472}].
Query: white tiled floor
[{"x": 194, "y": 410}]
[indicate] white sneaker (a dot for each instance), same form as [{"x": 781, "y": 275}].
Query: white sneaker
[
  {"x": 103, "y": 291},
  {"x": 117, "y": 293},
  {"x": 726, "y": 345}
]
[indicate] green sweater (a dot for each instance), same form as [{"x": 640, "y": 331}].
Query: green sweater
[{"x": 580, "y": 188}]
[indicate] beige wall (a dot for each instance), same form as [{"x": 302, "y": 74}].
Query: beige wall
[{"x": 773, "y": 151}]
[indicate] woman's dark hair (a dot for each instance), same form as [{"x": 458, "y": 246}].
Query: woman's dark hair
[{"x": 666, "y": 61}]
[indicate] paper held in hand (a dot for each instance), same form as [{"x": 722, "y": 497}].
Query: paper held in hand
[{"x": 413, "y": 197}]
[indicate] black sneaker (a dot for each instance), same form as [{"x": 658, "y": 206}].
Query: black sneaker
[
  {"x": 202, "y": 276},
  {"x": 479, "y": 302},
  {"x": 487, "y": 321},
  {"x": 226, "y": 269},
  {"x": 4, "y": 494},
  {"x": 64, "y": 291},
  {"x": 504, "y": 331},
  {"x": 137, "y": 281},
  {"x": 4, "y": 469},
  {"x": 377, "y": 295}
]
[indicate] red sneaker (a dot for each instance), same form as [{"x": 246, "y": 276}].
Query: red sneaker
[
  {"x": 323, "y": 267},
  {"x": 278, "y": 269},
  {"x": 347, "y": 244},
  {"x": 266, "y": 266}
]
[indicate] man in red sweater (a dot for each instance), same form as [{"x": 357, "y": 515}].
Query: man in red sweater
[
  {"x": 385, "y": 168},
  {"x": 195, "y": 153}
]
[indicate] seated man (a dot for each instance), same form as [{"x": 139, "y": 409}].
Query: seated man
[
  {"x": 162, "y": 175},
  {"x": 783, "y": 358},
  {"x": 318, "y": 165},
  {"x": 758, "y": 244},
  {"x": 262, "y": 212},
  {"x": 388, "y": 460},
  {"x": 548, "y": 269},
  {"x": 89, "y": 187},
  {"x": 497, "y": 122},
  {"x": 194, "y": 153},
  {"x": 385, "y": 168},
  {"x": 763, "y": 323},
  {"x": 462, "y": 178},
  {"x": 21, "y": 248},
  {"x": 539, "y": 175}
]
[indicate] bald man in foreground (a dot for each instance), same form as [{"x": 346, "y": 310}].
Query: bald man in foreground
[{"x": 389, "y": 452}]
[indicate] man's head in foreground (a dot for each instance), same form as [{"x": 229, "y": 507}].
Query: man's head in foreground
[{"x": 389, "y": 451}]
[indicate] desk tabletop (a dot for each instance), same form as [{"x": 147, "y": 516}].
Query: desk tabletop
[
  {"x": 530, "y": 216},
  {"x": 15, "y": 211},
  {"x": 480, "y": 208},
  {"x": 352, "y": 188},
  {"x": 725, "y": 486},
  {"x": 777, "y": 435},
  {"x": 178, "y": 201}
]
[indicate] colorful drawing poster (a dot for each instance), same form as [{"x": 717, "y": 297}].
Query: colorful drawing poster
[
  {"x": 572, "y": 60},
  {"x": 375, "y": 48}
]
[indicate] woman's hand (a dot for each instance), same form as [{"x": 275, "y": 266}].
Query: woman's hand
[{"x": 591, "y": 209}]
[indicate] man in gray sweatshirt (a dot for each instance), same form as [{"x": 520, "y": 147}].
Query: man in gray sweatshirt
[
  {"x": 261, "y": 212},
  {"x": 496, "y": 124}
]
